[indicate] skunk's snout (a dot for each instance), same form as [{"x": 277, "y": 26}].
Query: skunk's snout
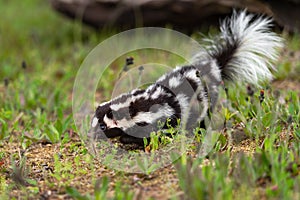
[{"x": 95, "y": 133}]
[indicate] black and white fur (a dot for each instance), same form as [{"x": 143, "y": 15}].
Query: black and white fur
[{"x": 243, "y": 51}]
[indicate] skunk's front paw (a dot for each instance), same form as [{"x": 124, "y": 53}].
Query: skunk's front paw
[{"x": 127, "y": 139}]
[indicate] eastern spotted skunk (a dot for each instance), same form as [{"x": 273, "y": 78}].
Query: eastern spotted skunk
[{"x": 243, "y": 51}]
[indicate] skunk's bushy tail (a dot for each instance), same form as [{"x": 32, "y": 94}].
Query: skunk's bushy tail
[{"x": 245, "y": 48}]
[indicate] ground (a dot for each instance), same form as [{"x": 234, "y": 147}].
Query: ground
[{"x": 43, "y": 157}]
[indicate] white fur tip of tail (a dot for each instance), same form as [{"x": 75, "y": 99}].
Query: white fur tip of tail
[{"x": 257, "y": 46}]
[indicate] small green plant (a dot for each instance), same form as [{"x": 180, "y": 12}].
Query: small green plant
[
  {"x": 147, "y": 164},
  {"x": 101, "y": 191},
  {"x": 62, "y": 171},
  {"x": 205, "y": 181},
  {"x": 5, "y": 116}
]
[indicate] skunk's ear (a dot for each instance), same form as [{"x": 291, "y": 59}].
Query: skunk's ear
[
  {"x": 95, "y": 122},
  {"x": 96, "y": 105}
]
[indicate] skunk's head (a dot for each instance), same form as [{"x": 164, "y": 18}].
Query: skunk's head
[{"x": 104, "y": 122}]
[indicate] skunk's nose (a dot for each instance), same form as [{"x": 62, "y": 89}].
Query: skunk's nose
[{"x": 96, "y": 133}]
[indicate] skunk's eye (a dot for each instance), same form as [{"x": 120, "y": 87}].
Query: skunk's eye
[{"x": 102, "y": 126}]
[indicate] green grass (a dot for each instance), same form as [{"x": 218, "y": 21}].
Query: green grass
[
  {"x": 271, "y": 167},
  {"x": 40, "y": 53}
]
